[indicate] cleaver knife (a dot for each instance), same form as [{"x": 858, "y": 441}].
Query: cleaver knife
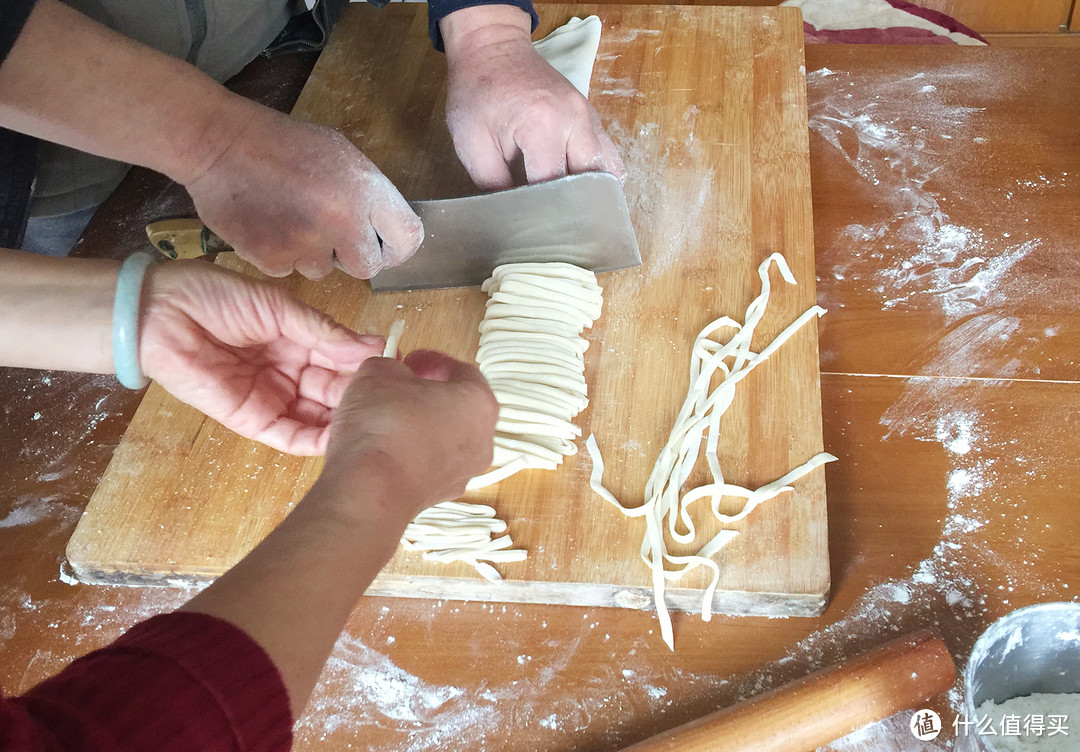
[{"x": 580, "y": 219}]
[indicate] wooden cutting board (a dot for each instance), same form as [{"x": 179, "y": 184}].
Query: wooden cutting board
[{"x": 707, "y": 105}]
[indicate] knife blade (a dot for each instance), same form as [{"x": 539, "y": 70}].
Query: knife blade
[{"x": 580, "y": 219}]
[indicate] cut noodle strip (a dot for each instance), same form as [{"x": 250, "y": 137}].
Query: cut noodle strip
[
  {"x": 393, "y": 338},
  {"x": 531, "y": 352},
  {"x": 456, "y": 531},
  {"x": 698, "y": 422},
  {"x": 460, "y": 531}
]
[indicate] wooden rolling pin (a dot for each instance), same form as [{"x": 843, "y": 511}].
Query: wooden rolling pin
[{"x": 831, "y": 703}]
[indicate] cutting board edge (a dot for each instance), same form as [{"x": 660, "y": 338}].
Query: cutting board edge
[
  {"x": 598, "y": 595},
  {"x": 88, "y": 574},
  {"x": 389, "y": 585}
]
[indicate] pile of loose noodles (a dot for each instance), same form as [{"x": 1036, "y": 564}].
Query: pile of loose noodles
[
  {"x": 452, "y": 530},
  {"x": 698, "y": 421},
  {"x": 532, "y": 354}
]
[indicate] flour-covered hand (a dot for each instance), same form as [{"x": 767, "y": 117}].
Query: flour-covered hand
[
  {"x": 505, "y": 100},
  {"x": 287, "y": 194},
  {"x": 248, "y": 353}
]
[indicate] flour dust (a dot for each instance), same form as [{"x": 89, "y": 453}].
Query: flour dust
[{"x": 896, "y": 135}]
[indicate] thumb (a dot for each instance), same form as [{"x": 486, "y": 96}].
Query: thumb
[
  {"x": 399, "y": 228},
  {"x": 437, "y": 366}
]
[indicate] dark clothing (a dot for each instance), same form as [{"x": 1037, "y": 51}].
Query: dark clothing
[
  {"x": 310, "y": 31},
  {"x": 181, "y": 682},
  {"x": 13, "y": 15},
  {"x": 18, "y": 163},
  {"x": 18, "y": 152},
  {"x": 440, "y": 9}
]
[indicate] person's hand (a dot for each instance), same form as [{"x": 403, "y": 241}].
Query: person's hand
[
  {"x": 428, "y": 421},
  {"x": 287, "y": 194},
  {"x": 504, "y": 100},
  {"x": 406, "y": 435},
  {"x": 248, "y": 353}
]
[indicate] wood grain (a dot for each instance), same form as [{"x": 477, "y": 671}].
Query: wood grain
[
  {"x": 980, "y": 15},
  {"x": 1005, "y": 15},
  {"x": 1036, "y": 39},
  {"x": 708, "y": 107},
  {"x": 953, "y": 237}
]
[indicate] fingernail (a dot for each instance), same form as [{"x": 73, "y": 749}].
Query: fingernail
[{"x": 372, "y": 339}]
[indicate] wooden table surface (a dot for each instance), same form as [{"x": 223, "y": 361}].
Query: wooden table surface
[{"x": 946, "y": 188}]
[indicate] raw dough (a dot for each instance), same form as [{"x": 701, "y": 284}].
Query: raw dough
[
  {"x": 571, "y": 50},
  {"x": 532, "y": 353},
  {"x": 393, "y": 338},
  {"x": 460, "y": 531}
]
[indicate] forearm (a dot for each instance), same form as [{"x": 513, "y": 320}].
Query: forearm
[
  {"x": 56, "y": 313},
  {"x": 77, "y": 83},
  {"x": 293, "y": 593}
]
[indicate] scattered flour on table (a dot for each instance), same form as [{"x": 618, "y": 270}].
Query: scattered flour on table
[
  {"x": 397, "y": 695},
  {"x": 942, "y": 588},
  {"x": 381, "y": 694},
  {"x": 423, "y": 716},
  {"x": 54, "y": 476},
  {"x": 628, "y": 35},
  {"x": 28, "y": 510},
  {"x": 914, "y": 257},
  {"x": 930, "y": 410},
  {"x": 43, "y": 487},
  {"x": 977, "y": 344},
  {"x": 951, "y": 412},
  {"x": 1042, "y": 182},
  {"x": 917, "y": 256},
  {"x": 883, "y": 132},
  {"x": 98, "y": 618},
  {"x": 58, "y": 431}
]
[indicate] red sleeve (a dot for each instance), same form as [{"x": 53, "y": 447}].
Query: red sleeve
[{"x": 180, "y": 681}]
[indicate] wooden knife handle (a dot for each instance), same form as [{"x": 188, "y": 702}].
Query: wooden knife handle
[
  {"x": 822, "y": 707},
  {"x": 184, "y": 238}
]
